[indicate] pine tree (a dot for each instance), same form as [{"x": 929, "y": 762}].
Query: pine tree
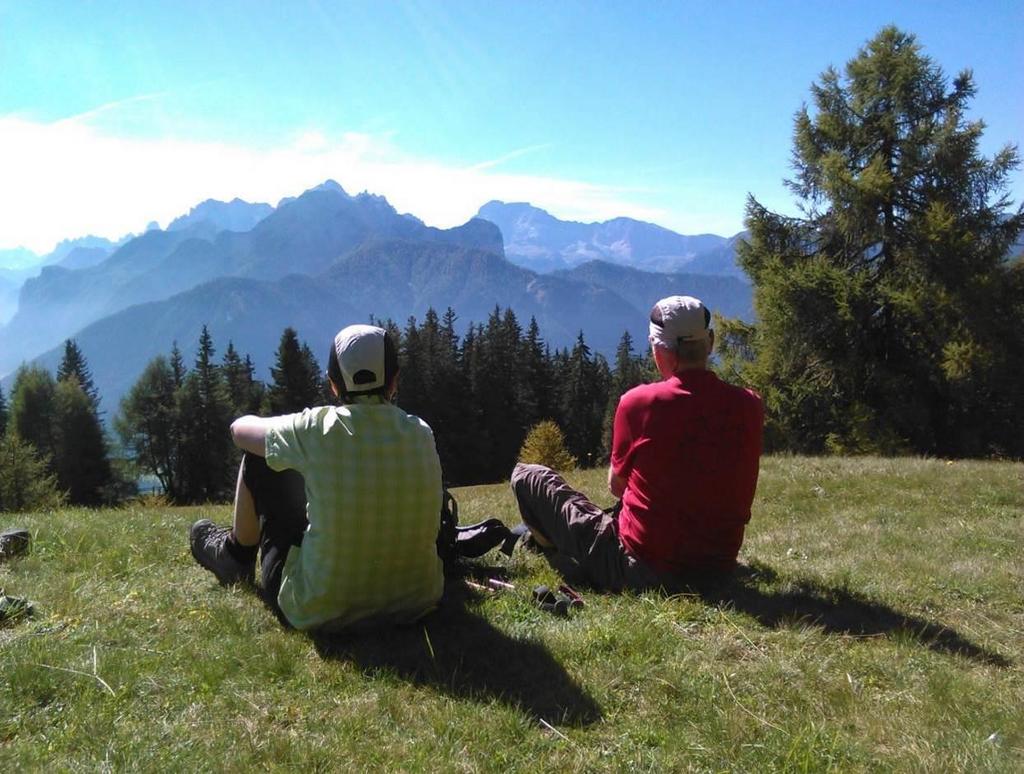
[
  {"x": 888, "y": 318},
  {"x": 26, "y": 484},
  {"x": 81, "y": 457},
  {"x": 178, "y": 369},
  {"x": 204, "y": 414},
  {"x": 583, "y": 397},
  {"x": 149, "y": 427},
  {"x": 3, "y": 413},
  {"x": 74, "y": 366},
  {"x": 244, "y": 392},
  {"x": 33, "y": 411},
  {"x": 545, "y": 445},
  {"x": 296, "y": 381},
  {"x": 628, "y": 373}
]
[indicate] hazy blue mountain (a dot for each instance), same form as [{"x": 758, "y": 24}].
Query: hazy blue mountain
[
  {"x": 18, "y": 258},
  {"x": 537, "y": 240},
  {"x": 236, "y": 215},
  {"x": 64, "y": 254},
  {"x": 303, "y": 236},
  {"x": 385, "y": 278},
  {"x": 729, "y": 296}
]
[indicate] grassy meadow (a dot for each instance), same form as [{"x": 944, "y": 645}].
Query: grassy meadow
[{"x": 877, "y": 624}]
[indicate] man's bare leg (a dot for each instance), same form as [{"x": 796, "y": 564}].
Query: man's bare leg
[{"x": 246, "y": 523}]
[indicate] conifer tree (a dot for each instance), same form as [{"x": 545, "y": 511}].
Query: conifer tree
[
  {"x": 3, "y": 413},
  {"x": 204, "y": 415},
  {"x": 888, "y": 318},
  {"x": 26, "y": 484},
  {"x": 33, "y": 411},
  {"x": 81, "y": 457},
  {"x": 584, "y": 395},
  {"x": 629, "y": 371},
  {"x": 244, "y": 392},
  {"x": 74, "y": 366},
  {"x": 296, "y": 380},
  {"x": 545, "y": 445},
  {"x": 149, "y": 427}
]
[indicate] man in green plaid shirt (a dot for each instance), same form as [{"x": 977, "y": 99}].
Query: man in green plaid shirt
[{"x": 353, "y": 539}]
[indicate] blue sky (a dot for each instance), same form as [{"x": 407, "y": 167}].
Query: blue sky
[{"x": 115, "y": 114}]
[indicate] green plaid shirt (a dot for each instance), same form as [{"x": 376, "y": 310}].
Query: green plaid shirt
[{"x": 373, "y": 491}]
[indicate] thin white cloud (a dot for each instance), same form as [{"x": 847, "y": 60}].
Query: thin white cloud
[
  {"x": 70, "y": 178},
  {"x": 114, "y": 106},
  {"x": 510, "y": 156}
]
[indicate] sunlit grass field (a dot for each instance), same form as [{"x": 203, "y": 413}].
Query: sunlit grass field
[{"x": 877, "y": 624}]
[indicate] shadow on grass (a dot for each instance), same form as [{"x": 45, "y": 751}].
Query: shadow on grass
[
  {"x": 458, "y": 652},
  {"x": 834, "y": 609}
]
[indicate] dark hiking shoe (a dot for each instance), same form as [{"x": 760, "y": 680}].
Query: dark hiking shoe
[
  {"x": 209, "y": 547},
  {"x": 14, "y": 542}
]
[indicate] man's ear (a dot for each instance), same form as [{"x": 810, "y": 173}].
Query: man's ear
[
  {"x": 392, "y": 388},
  {"x": 711, "y": 341}
]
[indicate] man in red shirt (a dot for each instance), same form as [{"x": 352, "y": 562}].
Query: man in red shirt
[{"x": 685, "y": 455}]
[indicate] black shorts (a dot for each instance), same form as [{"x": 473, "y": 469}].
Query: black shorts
[{"x": 280, "y": 501}]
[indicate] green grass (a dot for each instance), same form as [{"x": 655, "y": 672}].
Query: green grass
[{"x": 878, "y": 625}]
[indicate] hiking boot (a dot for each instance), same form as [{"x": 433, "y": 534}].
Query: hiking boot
[{"x": 209, "y": 547}]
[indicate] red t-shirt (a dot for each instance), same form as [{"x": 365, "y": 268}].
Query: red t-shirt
[{"x": 688, "y": 448}]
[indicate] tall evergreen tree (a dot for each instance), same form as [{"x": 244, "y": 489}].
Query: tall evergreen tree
[
  {"x": 33, "y": 410},
  {"x": 3, "y": 413},
  {"x": 296, "y": 379},
  {"x": 583, "y": 386},
  {"x": 74, "y": 366},
  {"x": 628, "y": 372},
  {"x": 888, "y": 318},
  {"x": 81, "y": 457},
  {"x": 244, "y": 392},
  {"x": 149, "y": 427},
  {"x": 204, "y": 413},
  {"x": 178, "y": 369}
]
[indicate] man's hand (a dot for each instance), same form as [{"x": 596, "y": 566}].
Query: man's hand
[
  {"x": 250, "y": 434},
  {"x": 616, "y": 484}
]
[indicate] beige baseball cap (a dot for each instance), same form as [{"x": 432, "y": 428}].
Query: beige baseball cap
[
  {"x": 679, "y": 318},
  {"x": 360, "y": 351}
]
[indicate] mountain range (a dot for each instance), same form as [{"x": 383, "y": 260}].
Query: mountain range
[
  {"x": 537, "y": 240},
  {"x": 317, "y": 261}
]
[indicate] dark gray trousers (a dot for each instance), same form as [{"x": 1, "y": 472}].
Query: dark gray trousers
[{"x": 580, "y": 531}]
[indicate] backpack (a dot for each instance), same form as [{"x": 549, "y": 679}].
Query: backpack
[{"x": 474, "y": 540}]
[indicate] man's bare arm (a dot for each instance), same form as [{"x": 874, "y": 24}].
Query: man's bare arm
[
  {"x": 616, "y": 484},
  {"x": 250, "y": 434}
]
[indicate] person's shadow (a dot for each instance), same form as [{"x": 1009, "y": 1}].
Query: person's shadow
[
  {"x": 458, "y": 652},
  {"x": 834, "y": 609}
]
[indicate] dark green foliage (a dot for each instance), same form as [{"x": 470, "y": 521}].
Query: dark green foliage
[
  {"x": 629, "y": 371},
  {"x": 204, "y": 416},
  {"x": 81, "y": 460},
  {"x": 244, "y": 392},
  {"x": 297, "y": 381},
  {"x": 583, "y": 398},
  {"x": 74, "y": 366},
  {"x": 888, "y": 319},
  {"x": 26, "y": 484},
  {"x": 149, "y": 427},
  {"x": 33, "y": 410},
  {"x": 3, "y": 413},
  {"x": 176, "y": 422}
]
